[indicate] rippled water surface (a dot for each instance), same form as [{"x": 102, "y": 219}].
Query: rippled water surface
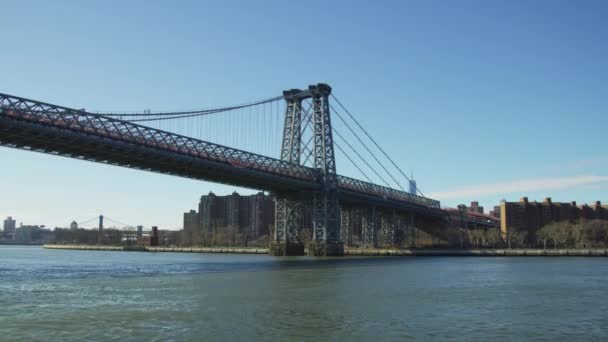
[{"x": 92, "y": 295}]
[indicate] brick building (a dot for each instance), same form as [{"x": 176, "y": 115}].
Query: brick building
[
  {"x": 529, "y": 217},
  {"x": 475, "y": 208},
  {"x": 495, "y": 212},
  {"x": 252, "y": 215},
  {"x": 191, "y": 221}
]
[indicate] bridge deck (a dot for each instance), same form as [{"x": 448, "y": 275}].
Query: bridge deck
[{"x": 57, "y": 130}]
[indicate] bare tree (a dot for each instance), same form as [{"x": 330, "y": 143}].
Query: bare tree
[{"x": 545, "y": 234}]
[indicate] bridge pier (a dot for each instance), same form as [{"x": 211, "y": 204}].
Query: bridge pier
[
  {"x": 288, "y": 220},
  {"x": 284, "y": 248},
  {"x": 326, "y": 226},
  {"x": 388, "y": 228},
  {"x": 412, "y": 231},
  {"x": 326, "y": 248}
]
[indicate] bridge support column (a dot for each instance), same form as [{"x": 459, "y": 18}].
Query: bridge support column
[
  {"x": 412, "y": 228},
  {"x": 288, "y": 218},
  {"x": 326, "y": 216},
  {"x": 326, "y": 229},
  {"x": 345, "y": 225},
  {"x": 369, "y": 228},
  {"x": 388, "y": 229},
  {"x": 326, "y": 220},
  {"x": 288, "y": 209}
]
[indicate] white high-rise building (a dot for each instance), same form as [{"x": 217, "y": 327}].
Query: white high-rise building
[
  {"x": 413, "y": 188},
  {"x": 10, "y": 225}
]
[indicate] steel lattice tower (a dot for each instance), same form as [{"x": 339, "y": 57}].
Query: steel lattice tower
[
  {"x": 326, "y": 220},
  {"x": 289, "y": 210}
]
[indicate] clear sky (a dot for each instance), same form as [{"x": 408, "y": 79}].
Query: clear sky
[{"x": 484, "y": 100}]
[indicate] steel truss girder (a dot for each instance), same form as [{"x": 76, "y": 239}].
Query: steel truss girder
[
  {"x": 58, "y": 130},
  {"x": 347, "y": 184},
  {"x": 87, "y": 124}
]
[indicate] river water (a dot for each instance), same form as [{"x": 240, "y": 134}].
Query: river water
[{"x": 94, "y": 295}]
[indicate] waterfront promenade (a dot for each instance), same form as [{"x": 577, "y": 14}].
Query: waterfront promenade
[{"x": 354, "y": 251}]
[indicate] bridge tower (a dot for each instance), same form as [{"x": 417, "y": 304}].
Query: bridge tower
[
  {"x": 101, "y": 223},
  {"x": 289, "y": 206}
]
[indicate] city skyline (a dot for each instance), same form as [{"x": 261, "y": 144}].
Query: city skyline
[{"x": 526, "y": 119}]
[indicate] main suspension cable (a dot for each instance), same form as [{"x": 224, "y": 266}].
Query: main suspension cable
[
  {"x": 360, "y": 157},
  {"x": 181, "y": 114},
  {"x": 120, "y": 223},
  {"x": 352, "y": 161},
  {"x": 373, "y": 141},
  {"x": 88, "y": 221},
  {"x": 367, "y": 148}
]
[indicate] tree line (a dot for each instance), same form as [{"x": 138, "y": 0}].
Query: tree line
[{"x": 581, "y": 234}]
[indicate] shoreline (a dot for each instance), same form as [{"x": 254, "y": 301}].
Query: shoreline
[{"x": 590, "y": 252}]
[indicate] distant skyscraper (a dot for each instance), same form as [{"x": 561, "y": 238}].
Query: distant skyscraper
[
  {"x": 9, "y": 225},
  {"x": 73, "y": 225},
  {"x": 413, "y": 188}
]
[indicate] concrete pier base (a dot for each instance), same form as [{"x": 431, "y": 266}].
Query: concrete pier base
[
  {"x": 286, "y": 249},
  {"x": 322, "y": 248}
]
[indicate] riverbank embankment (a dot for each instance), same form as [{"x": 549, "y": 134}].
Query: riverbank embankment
[
  {"x": 476, "y": 252},
  {"x": 353, "y": 251},
  {"x": 227, "y": 250}
]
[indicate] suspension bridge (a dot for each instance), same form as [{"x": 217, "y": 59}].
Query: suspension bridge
[
  {"x": 284, "y": 144},
  {"x": 100, "y": 223}
]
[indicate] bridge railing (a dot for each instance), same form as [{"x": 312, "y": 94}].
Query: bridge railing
[
  {"x": 384, "y": 192},
  {"x": 88, "y": 123}
]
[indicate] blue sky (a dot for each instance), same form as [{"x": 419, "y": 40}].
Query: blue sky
[{"x": 483, "y": 99}]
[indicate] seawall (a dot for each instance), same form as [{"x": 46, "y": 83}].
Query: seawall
[
  {"x": 354, "y": 251},
  {"x": 228, "y": 250},
  {"x": 476, "y": 252}
]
